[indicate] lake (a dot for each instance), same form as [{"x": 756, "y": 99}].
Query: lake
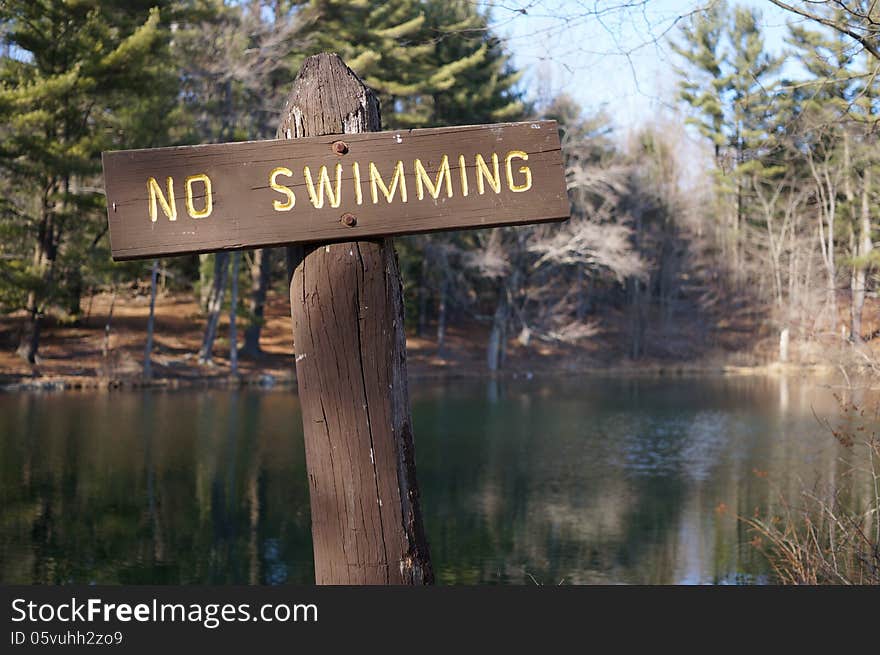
[{"x": 573, "y": 480}]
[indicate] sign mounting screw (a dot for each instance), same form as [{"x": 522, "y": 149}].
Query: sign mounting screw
[
  {"x": 348, "y": 219},
  {"x": 340, "y": 147}
]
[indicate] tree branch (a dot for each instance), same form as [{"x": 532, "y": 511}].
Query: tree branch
[{"x": 864, "y": 41}]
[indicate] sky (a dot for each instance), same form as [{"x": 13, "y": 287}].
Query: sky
[{"x": 608, "y": 54}]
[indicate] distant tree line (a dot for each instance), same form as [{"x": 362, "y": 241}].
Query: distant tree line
[{"x": 795, "y": 159}]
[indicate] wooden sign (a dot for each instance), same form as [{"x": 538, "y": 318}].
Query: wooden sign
[{"x": 170, "y": 201}]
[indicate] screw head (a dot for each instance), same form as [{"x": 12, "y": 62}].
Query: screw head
[
  {"x": 340, "y": 147},
  {"x": 348, "y": 219}
]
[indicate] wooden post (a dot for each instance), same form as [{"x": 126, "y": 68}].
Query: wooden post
[{"x": 347, "y": 310}]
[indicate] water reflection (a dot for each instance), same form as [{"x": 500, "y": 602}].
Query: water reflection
[
  {"x": 582, "y": 480},
  {"x": 139, "y": 488}
]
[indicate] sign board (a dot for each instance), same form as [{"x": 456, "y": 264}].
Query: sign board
[{"x": 190, "y": 199}]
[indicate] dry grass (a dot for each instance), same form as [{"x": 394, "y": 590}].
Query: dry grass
[{"x": 830, "y": 535}]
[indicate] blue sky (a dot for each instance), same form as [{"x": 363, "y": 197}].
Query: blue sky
[{"x": 606, "y": 56}]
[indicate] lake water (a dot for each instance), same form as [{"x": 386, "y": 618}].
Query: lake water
[{"x": 573, "y": 480}]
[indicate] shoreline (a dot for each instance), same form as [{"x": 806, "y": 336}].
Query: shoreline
[
  {"x": 100, "y": 353},
  {"x": 419, "y": 373}
]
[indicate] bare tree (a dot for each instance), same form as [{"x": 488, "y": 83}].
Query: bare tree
[
  {"x": 215, "y": 305},
  {"x": 260, "y": 270},
  {"x": 863, "y": 249},
  {"x": 233, "y": 315},
  {"x": 151, "y": 322},
  {"x": 857, "y": 19}
]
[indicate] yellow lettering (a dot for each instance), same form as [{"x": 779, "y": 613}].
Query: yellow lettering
[
  {"x": 462, "y": 171},
  {"x": 288, "y": 204},
  {"x": 358, "y": 196},
  {"x": 376, "y": 182},
  {"x": 443, "y": 175},
  {"x": 317, "y": 198},
  {"x": 483, "y": 173},
  {"x": 209, "y": 200},
  {"x": 525, "y": 170},
  {"x": 156, "y": 197}
]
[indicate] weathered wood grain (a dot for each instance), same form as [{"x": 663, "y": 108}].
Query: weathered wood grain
[
  {"x": 242, "y": 209},
  {"x": 347, "y": 309}
]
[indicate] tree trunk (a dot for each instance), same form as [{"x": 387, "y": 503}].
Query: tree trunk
[
  {"x": 109, "y": 368},
  {"x": 347, "y": 310},
  {"x": 75, "y": 290},
  {"x": 668, "y": 274},
  {"x": 148, "y": 349},
  {"x": 637, "y": 318},
  {"x": 29, "y": 342},
  {"x": 215, "y": 304},
  {"x": 206, "y": 288},
  {"x": 864, "y": 247},
  {"x": 441, "y": 315},
  {"x": 422, "y": 323},
  {"x": 44, "y": 257},
  {"x": 830, "y": 266},
  {"x": 784, "y": 340},
  {"x": 826, "y": 191},
  {"x": 260, "y": 270},
  {"x": 495, "y": 350},
  {"x": 233, "y": 312}
]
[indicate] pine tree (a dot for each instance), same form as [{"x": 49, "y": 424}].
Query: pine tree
[
  {"x": 701, "y": 84},
  {"x": 474, "y": 83},
  {"x": 77, "y": 78},
  {"x": 432, "y": 62},
  {"x": 749, "y": 84},
  {"x": 838, "y": 112},
  {"x": 728, "y": 84},
  {"x": 480, "y": 82},
  {"x": 385, "y": 43}
]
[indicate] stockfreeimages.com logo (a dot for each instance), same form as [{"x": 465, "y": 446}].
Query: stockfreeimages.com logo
[{"x": 209, "y": 615}]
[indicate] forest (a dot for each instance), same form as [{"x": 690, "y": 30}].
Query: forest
[{"x": 736, "y": 226}]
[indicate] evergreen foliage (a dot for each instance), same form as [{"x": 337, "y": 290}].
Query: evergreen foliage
[{"x": 77, "y": 78}]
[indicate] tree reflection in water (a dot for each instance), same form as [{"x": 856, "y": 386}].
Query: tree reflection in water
[{"x": 584, "y": 480}]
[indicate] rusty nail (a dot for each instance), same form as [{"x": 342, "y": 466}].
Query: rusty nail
[
  {"x": 349, "y": 219},
  {"x": 340, "y": 147}
]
